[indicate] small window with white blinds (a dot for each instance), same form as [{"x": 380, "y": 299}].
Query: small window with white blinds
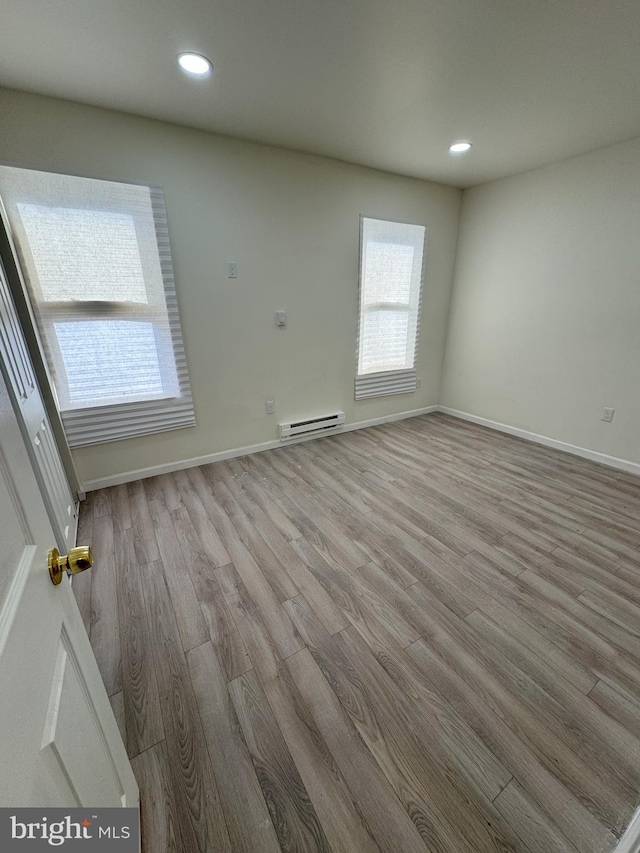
[
  {"x": 391, "y": 273},
  {"x": 97, "y": 266}
]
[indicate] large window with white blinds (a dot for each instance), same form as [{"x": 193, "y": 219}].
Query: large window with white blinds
[
  {"x": 391, "y": 274},
  {"x": 97, "y": 267}
]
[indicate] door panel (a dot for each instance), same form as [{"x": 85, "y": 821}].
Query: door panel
[
  {"x": 70, "y": 699},
  {"x": 49, "y": 463},
  {"x": 35, "y": 425},
  {"x": 17, "y": 360},
  {"x": 60, "y": 744}
]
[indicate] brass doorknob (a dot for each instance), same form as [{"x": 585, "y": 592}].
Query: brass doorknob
[{"x": 77, "y": 560}]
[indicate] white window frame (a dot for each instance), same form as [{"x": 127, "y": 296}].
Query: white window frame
[
  {"x": 386, "y": 382},
  {"x": 118, "y": 421}
]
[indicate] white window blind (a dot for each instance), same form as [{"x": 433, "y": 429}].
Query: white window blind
[
  {"x": 96, "y": 260},
  {"x": 391, "y": 272}
]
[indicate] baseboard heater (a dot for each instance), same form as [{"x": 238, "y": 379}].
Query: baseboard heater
[{"x": 310, "y": 426}]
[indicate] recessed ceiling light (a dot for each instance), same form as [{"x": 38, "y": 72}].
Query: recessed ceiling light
[
  {"x": 194, "y": 64},
  {"x": 460, "y": 147}
]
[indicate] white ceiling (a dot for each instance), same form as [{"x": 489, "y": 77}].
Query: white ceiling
[{"x": 386, "y": 83}]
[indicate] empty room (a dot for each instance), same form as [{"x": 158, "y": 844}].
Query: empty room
[{"x": 320, "y": 426}]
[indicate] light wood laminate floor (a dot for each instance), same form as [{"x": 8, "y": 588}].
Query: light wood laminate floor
[{"x": 423, "y": 636}]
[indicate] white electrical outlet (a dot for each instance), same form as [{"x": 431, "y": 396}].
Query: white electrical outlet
[
  {"x": 271, "y": 407},
  {"x": 281, "y": 318},
  {"x": 232, "y": 270},
  {"x": 607, "y": 415},
  {"x": 419, "y": 382}
]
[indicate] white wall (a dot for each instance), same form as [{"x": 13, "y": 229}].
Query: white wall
[
  {"x": 291, "y": 223},
  {"x": 544, "y": 327}
]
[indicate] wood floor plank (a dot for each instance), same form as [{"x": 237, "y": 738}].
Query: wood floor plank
[
  {"x": 615, "y": 546},
  {"x": 625, "y": 709},
  {"x": 343, "y": 823},
  {"x": 193, "y": 551},
  {"x": 530, "y": 823},
  {"x": 170, "y": 492},
  {"x": 293, "y": 815},
  {"x": 602, "y": 657},
  {"x": 254, "y": 580},
  {"x": 224, "y": 635},
  {"x": 85, "y": 520},
  {"x": 419, "y": 636},
  {"x": 143, "y": 720},
  {"x": 569, "y": 582},
  {"x": 121, "y": 508},
  {"x": 145, "y": 539},
  {"x": 233, "y": 467},
  {"x": 117, "y": 706},
  {"x": 300, "y": 504},
  {"x": 270, "y": 533},
  {"x": 389, "y": 822},
  {"x": 197, "y": 802},
  {"x": 81, "y": 583},
  {"x": 317, "y": 477},
  {"x": 384, "y": 549},
  {"x": 469, "y": 753},
  {"x": 81, "y": 587},
  {"x": 583, "y": 575},
  {"x": 216, "y": 472},
  {"x": 541, "y": 721},
  {"x": 328, "y": 612},
  {"x": 568, "y": 813},
  {"x": 258, "y": 628},
  {"x": 105, "y": 626},
  {"x": 405, "y": 747},
  {"x": 257, "y": 500},
  {"x": 102, "y": 502},
  {"x": 272, "y": 568},
  {"x": 622, "y": 748},
  {"x": 159, "y": 817},
  {"x": 341, "y": 820},
  {"x": 203, "y": 524},
  {"x": 186, "y": 607},
  {"x": 361, "y": 459},
  {"x": 566, "y": 665},
  {"x": 471, "y": 517},
  {"x": 629, "y": 572},
  {"x": 344, "y": 826},
  {"x": 424, "y": 558},
  {"x": 610, "y": 523},
  {"x": 247, "y": 817},
  {"x": 152, "y": 489},
  {"x": 356, "y": 599},
  {"x": 598, "y": 624},
  {"x": 585, "y": 548},
  {"x": 614, "y": 607}
]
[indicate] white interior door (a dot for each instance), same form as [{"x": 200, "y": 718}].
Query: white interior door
[
  {"x": 34, "y": 422},
  {"x": 59, "y": 741}
]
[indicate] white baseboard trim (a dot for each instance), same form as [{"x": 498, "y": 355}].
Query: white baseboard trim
[
  {"x": 168, "y": 467},
  {"x": 584, "y": 452},
  {"x": 630, "y": 840}
]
